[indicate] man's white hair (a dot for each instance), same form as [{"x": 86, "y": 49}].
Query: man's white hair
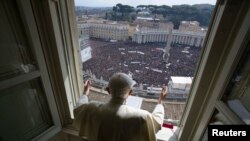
[{"x": 120, "y": 84}]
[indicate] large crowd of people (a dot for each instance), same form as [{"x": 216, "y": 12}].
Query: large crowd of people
[{"x": 143, "y": 61}]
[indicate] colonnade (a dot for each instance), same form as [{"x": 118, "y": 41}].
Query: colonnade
[{"x": 181, "y": 37}]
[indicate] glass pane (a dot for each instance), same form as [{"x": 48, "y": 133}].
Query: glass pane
[
  {"x": 15, "y": 56},
  {"x": 237, "y": 96},
  {"x": 23, "y": 112}
]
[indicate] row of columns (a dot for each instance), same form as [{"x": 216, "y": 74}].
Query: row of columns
[
  {"x": 196, "y": 41},
  {"x": 105, "y": 32},
  {"x": 150, "y": 38},
  {"x": 192, "y": 40}
]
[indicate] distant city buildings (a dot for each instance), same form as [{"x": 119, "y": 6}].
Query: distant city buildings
[
  {"x": 147, "y": 19},
  {"x": 191, "y": 26},
  {"x": 190, "y": 38},
  {"x": 152, "y": 23},
  {"x": 147, "y": 35},
  {"x": 144, "y": 30},
  {"x": 189, "y": 33},
  {"x": 105, "y": 30}
]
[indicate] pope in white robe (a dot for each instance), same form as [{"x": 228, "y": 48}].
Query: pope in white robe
[{"x": 116, "y": 121}]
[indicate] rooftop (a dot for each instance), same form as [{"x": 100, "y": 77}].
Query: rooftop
[{"x": 181, "y": 80}]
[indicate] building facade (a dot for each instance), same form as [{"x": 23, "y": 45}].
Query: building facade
[
  {"x": 190, "y": 26},
  {"x": 112, "y": 31},
  {"x": 190, "y": 38},
  {"x": 107, "y": 31}
]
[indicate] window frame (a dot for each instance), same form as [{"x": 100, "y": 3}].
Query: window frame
[
  {"x": 58, "y": 33},
  {"x": 208, "y": 85},
  {"x": 29, "y": 22},
  {"x": 41, "y": 73},
  {"x": 224, "y": 44}
]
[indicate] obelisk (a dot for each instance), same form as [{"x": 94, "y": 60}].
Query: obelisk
[{"x": 166, "y": 54}]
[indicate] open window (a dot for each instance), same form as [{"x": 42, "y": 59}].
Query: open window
[
  {"x": 42, "y": 80},
  {"x": 227, "y": 46},
  {"x": 154, "y": 44},
  {"x": 28, "y": 109}
]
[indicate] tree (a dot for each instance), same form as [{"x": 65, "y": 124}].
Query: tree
[
  {"x": 122, "y": 12},
  {"x": 175, "y": 14}
]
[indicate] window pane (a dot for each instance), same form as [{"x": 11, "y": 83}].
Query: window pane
[
  {"x": 237, "y": 96},
  {"x": 15, "y": 56},
  {"x": 23, "y": 111}
]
